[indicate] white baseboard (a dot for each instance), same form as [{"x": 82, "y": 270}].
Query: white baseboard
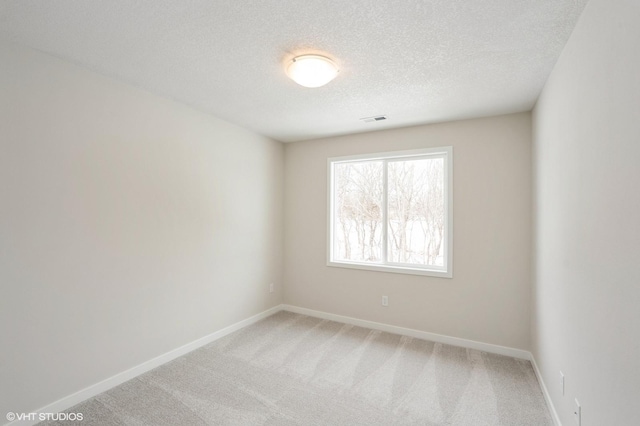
[
  {"x": 545, "y": 392},
  {"x": 440, "y": 338},
  {"x": 93, "y": 390}
]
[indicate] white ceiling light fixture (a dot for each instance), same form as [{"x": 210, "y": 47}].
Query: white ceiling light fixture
[{"x": 312, "y": 70}]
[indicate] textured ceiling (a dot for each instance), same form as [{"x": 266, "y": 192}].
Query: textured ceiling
[{"x": 414, "y": 61}]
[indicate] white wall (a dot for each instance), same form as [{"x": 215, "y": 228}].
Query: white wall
[
  {"x": 488, "y": 298},
  {"x": 586, "y": 300},
  {"x": 129, "y": 226}
]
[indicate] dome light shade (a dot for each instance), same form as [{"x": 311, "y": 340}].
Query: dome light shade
[{"x": 312, "y": 70}]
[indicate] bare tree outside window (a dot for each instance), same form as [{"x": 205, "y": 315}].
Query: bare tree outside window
[
  {"x": 416, "y": 211},
  {"x": 358, "y": 188}
]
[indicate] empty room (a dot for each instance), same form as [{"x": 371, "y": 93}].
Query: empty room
[{"x": 326, "y": 212}]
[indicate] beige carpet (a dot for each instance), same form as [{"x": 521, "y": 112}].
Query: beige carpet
[{"x": 291, "y": 369}]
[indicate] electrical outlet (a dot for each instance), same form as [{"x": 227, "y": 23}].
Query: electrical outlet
[
  {"x": 385, "y": 301},
  {"x": 271, "y": 288},
  {"x": 577, "y": 413},
  {"x": 562, "y": 383}
]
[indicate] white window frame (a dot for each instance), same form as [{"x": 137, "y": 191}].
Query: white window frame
[{"x": 443, "y": 152}]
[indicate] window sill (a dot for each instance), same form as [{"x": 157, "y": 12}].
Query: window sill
[{"x": 393, "y": 269}]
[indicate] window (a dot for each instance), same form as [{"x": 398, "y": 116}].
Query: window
[{"x": 392, "y": 212}]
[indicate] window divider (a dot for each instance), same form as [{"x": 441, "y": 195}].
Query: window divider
[{"x": 385, "y": 208}]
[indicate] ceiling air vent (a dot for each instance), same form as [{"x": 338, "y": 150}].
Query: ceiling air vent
[{"x": 372, "y": 119}]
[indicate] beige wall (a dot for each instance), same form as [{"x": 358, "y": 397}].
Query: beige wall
[
  {"x": 586, "y": 300},
  {"x": 488, "y": 298},
  {"x": 129, "y": 226}
]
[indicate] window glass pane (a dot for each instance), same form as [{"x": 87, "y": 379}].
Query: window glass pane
[
  {"x": 416, "y": 218},
  {"x": 358, "y": 216}
]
